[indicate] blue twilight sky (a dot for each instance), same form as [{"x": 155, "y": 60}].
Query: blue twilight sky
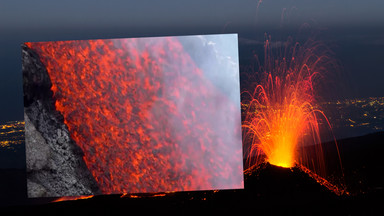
[{"x": 354, "y": 28}]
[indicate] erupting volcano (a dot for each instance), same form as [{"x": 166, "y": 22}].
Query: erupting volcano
[
  {"x": 144, "y": 114},
  {"x": 283, "y": 115}
]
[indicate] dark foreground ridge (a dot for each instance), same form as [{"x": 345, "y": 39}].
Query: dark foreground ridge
[{"x": 268, "y": 190}]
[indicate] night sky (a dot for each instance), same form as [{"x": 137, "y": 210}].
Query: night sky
[{"x": 353, "y": 29}]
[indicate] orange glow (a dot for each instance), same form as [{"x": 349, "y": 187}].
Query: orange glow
[
  {"x": 120, "y": 100},
  {"x": 146, "y": 195},
  {"x": 337, "y": 190},
  {"x": 282, "y": 115},
  {"x": 280, "y": 121},
  {"x": 67, "y": 198}
]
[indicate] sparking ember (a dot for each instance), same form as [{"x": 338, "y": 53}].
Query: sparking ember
[
  {"x": 283, "y": 115},
  {"x": 146, "y": 116}
]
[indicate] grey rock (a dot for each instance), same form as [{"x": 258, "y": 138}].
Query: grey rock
[
  {"x": 55, "y": 165},
  {"x": 37, "y": 150},
  {"x": 35, "y": 190}
]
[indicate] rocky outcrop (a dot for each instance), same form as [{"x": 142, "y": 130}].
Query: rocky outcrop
[{"x": 55, "y": 166}]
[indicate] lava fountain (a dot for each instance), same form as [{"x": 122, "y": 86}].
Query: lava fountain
[{"x": 283, "y": 114}]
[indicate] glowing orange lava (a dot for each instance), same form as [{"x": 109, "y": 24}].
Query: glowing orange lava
[
  {"x": 144, "y": 115},
  {"x": 282, "y": 115},
  {"x": 68, "y": 198}
]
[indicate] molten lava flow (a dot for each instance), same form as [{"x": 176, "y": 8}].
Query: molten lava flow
[
  {"x": 282, "y": 115},
  {"x": 337, "y": 190},
  {"x": 144, "y": 115},
  {"x": 61, "y": 199}
]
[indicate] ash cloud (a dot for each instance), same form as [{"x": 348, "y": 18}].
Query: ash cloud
[{"x": 217, "y": 56}]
